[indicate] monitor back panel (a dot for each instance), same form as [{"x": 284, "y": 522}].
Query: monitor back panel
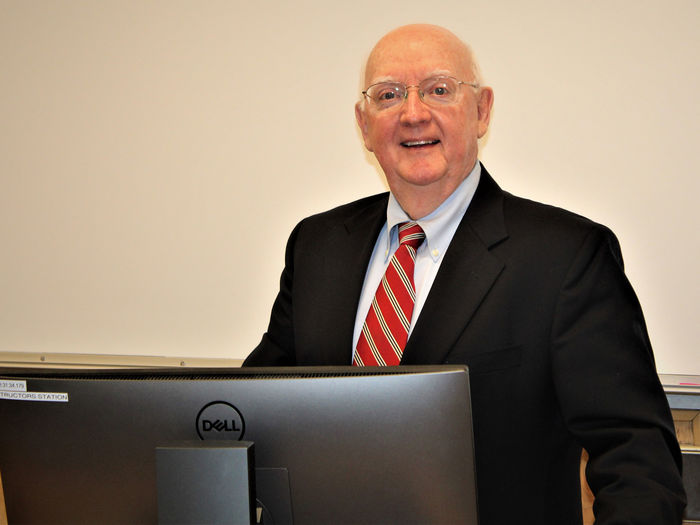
[{"x": 370, "y": 449}]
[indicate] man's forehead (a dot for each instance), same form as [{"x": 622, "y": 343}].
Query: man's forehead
[
  {"x": 403, "y": 77},
  {"x": 413, "y": 69}
]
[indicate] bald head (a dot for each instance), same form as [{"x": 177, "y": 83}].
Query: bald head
[{"x": 408, "y": 41}]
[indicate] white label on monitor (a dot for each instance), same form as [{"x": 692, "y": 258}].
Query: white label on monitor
[
  {"x": 13, "y": 385},
  {"x": 54, "y": 397}
]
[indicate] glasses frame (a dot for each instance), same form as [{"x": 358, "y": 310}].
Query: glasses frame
[{"x": 421, "y": 94}]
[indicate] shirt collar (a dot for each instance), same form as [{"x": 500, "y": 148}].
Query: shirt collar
[{"x": 440, "y": 224}]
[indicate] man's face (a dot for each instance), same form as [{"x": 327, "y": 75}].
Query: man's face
[{"x": 423, "y": 148}]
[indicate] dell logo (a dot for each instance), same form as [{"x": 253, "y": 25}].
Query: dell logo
[
  {"x": 220, "y": 420},
  {"x": 229, "y": 425}
]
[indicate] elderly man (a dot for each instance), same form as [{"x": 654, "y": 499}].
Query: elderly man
[{"x": 448, "y": 268}]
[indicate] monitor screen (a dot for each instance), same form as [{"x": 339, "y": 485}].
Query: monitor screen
[{"x": 331, "y": 444}]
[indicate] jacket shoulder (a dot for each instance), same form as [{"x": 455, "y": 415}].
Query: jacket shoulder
[
  {"x": 351, "y": 209},
  {"x": 525, "y": 214}
]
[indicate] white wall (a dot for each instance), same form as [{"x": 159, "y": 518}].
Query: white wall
[{"x": 155, "y": 155}]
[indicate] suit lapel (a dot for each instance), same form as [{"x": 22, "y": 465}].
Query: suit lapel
[
  {"x": 360, "y": 232},
  {"x": 466, "y": 275}
]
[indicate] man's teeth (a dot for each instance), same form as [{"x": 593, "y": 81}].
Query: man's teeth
[{"x": 412, "y": 143}]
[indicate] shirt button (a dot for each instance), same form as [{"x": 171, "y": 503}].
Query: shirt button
[{"x": 435, "y": 253}]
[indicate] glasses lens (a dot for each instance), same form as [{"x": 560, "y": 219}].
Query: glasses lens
[
  {"x": 387, "y": 94},
  {"x": 439, "y": 90}
]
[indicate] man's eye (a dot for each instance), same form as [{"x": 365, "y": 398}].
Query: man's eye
[
  {"x": 386, "y": 95},
  {"x": 439, "y": 91}
]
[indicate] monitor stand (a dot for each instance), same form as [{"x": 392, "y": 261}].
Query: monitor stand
[
  {"x": 274, "y": 502},
  {"x": 206, "y": 482}
]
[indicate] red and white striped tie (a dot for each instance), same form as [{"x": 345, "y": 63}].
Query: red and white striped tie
[{"x": 385, "y": 331}]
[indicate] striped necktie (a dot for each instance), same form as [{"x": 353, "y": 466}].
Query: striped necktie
[{"x": 385, "y": 330}]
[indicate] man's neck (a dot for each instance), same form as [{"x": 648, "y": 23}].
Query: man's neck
[{"x": 421, "y": 201}]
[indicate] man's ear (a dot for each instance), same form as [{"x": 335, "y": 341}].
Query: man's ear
[
  {"x": 362, "y": 123},
  {"x": 484, "y": 104}
]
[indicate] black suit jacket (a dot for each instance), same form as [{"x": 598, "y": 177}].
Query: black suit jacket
[{"x": 535, "y": 301}]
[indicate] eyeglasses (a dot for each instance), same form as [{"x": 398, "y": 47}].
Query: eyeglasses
[{"x": 434, "y": 91}]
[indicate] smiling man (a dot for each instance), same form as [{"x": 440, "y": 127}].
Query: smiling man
[
  {"x": 449, "y": 268},
  {"x": 424, "y": 137}
]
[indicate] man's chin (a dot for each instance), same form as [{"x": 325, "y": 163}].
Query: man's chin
[{"x": 421, "y": 176}]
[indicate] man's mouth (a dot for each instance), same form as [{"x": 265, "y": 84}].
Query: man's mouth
[{"x": 418, "y": 143}]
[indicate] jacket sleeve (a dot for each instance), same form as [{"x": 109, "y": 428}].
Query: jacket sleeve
[
  {"x": 609, "y": 392},
  {"x": 276, "y": 347}
]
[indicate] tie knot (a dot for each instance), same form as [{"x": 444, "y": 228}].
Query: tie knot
[{"x": 411, "y": 234}]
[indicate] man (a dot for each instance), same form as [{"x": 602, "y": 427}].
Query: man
[{"x": 532, "y": 298}]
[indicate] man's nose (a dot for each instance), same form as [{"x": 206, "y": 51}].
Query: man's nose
[{"x": 414, "y": 110}]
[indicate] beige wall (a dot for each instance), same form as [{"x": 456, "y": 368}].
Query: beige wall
[{"x": 155, "y": 155}]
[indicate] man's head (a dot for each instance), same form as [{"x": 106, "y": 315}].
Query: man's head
[{"x": 426, "y": 148}]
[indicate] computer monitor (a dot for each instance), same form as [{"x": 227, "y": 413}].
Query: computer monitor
[{"x": 332, "y": 444}]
